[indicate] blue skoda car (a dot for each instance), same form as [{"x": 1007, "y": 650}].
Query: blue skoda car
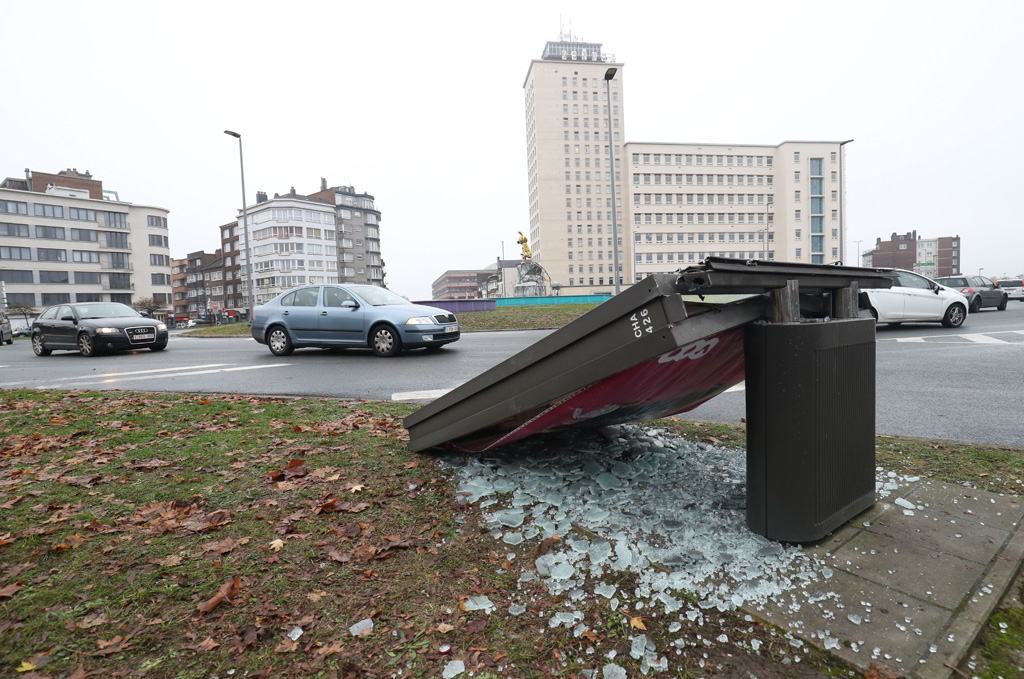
[{"x": 327, "y": 316}]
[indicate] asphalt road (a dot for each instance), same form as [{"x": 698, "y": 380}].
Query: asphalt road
[{"x": 963, "y": 384}]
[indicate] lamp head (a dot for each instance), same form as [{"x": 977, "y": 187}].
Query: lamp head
[
  {"x": 233, "y": 134},
  {"x": 610, "y": 73}
]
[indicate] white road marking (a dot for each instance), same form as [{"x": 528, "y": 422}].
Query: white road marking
[
  {"x": 131, "y": 372},
  {"x": 984, "y": 339},
  {"x": 183, "y": 374},
  {"x": 909, "y": 339},
  {"x": 429, "y": 395}
]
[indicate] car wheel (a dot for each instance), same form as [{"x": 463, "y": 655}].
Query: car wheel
[
  {"x": 976, "y": 304},
  {"x": 39, "y": 347},
  {"x": 279, "y": 342},
  {"x": 1002, "y": 304},
  {"x": 955, "y": 316},
  {"x": 385, "y": 341},
  {"x": 158, "y": 347},
  {"x": 85, "y": 346}
]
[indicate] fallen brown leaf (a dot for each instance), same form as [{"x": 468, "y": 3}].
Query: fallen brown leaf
[
  {"x": 226, "y": 592},
  {"x": 9, "y": 590},
  {"x": 207, "y": 644}
]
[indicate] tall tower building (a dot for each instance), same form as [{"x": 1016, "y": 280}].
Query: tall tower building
[{"x": 570, "y": 171}]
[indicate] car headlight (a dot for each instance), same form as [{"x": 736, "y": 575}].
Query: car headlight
[
  {"x": 107, "y": 331},
  {"x": 420, "y": 320},
  {"x": 161, "y": 326}
]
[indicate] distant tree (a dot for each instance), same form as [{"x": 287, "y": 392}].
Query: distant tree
[
  {"x": 147, "y": 305},
  {"x": 23, "y": 310}
]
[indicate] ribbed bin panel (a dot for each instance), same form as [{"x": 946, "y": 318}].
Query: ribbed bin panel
[{"x": 810, "y": 426}]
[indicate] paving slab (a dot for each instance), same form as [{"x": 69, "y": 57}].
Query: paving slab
[{"x": 912, "y": 584}]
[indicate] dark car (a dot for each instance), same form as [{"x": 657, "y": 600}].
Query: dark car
[
  {"x": 95, "y": 327},
  {"x": 6, "y": 334},
  {"x": 329, "y": 316},
  {"x": 979, "y": 291}
]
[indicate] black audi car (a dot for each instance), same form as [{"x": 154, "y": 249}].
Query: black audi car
[{"x": 95, "y": 327}]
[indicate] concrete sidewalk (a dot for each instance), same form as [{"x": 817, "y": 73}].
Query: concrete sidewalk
[{"x": 910, "y": 588}]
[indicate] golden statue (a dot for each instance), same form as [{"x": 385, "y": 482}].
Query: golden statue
[{"x": 526, "y": 248}]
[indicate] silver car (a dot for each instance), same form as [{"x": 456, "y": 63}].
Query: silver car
[{"x": 328, "y": 316}]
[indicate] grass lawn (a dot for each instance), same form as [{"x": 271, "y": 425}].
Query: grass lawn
[{"x": 188, "y": 536}]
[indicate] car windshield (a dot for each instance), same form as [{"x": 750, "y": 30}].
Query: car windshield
[
  {"x": 106, "y": 311},
  {"x": 376, "y": 296}
]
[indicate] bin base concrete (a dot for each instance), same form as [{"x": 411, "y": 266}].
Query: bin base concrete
[{"x": 912, "y": 588}]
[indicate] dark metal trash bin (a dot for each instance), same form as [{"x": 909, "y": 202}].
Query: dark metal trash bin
[{"x": 810, "y": 392}]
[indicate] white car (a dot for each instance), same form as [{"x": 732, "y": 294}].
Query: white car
[
  {"x": 1014, "y": 289},
  {"x": 915, "y": 298}
]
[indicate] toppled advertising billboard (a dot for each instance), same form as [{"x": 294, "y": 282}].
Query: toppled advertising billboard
[{"x": 663, "y": 346}]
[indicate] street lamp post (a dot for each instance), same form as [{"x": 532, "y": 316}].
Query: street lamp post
[
  {"x": 245, "y": 226},
  {"x": 842, "y": 198},
  {"x": 980, "y": 269},
  {"x": 767, "y": 226},
  {"x": 858, "y": 242},
  {"x": 608, "y": 76}
]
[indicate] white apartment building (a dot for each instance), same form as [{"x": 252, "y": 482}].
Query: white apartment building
[
  {"x": 332, "y": 236},
  {"x": 63, "y": 238},
  {"x": 689, "y": 201},
  {"x": 681, "y": 202},
  {"x": 293, "y": 242},
  {"x": 570, "y": 171}
]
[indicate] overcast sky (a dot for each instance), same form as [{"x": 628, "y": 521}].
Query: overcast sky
[{"x": 421, "y": 105}]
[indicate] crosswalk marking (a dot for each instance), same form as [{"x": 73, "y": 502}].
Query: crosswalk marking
[
  {"x": 428, "y": 395},
  {"x": 984, "y": 339}
]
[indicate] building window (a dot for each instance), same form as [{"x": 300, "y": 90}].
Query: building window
[
  {"x": 115, "y": 220},
  {"x": 87, "y": 277},
  {"x": 82, "y": 214},
  {"x": 53, "y": 277},
  {"x": 55, "y": 211},
  {"x": 15, "y": 253},
  {"x": 796, "y": 156},
  {"x": 49, "y": 298},
  {"x": 11, "y": 207},
  {"x": 116, "y": 240},
  {"x": 85, "y": 256},
  {"x": 16, "y": 276},
  {"x": 50, "y": 232},
  {"x": 796, "y": 215},
  {"x": 83, "y": 235},
  {"x": 13, "y": 229},
  {"x": 153, "y": 220},
  {"x": 51, "y": 255}
]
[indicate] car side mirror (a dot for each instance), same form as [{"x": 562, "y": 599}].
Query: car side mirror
[
  {"x": 349, "y": 304},
  {"x": 67, "y": 318}
]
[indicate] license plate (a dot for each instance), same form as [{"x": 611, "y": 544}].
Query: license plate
[
  {"x": 143, "y": 336},
  {"x": 451, "y": 328}
]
